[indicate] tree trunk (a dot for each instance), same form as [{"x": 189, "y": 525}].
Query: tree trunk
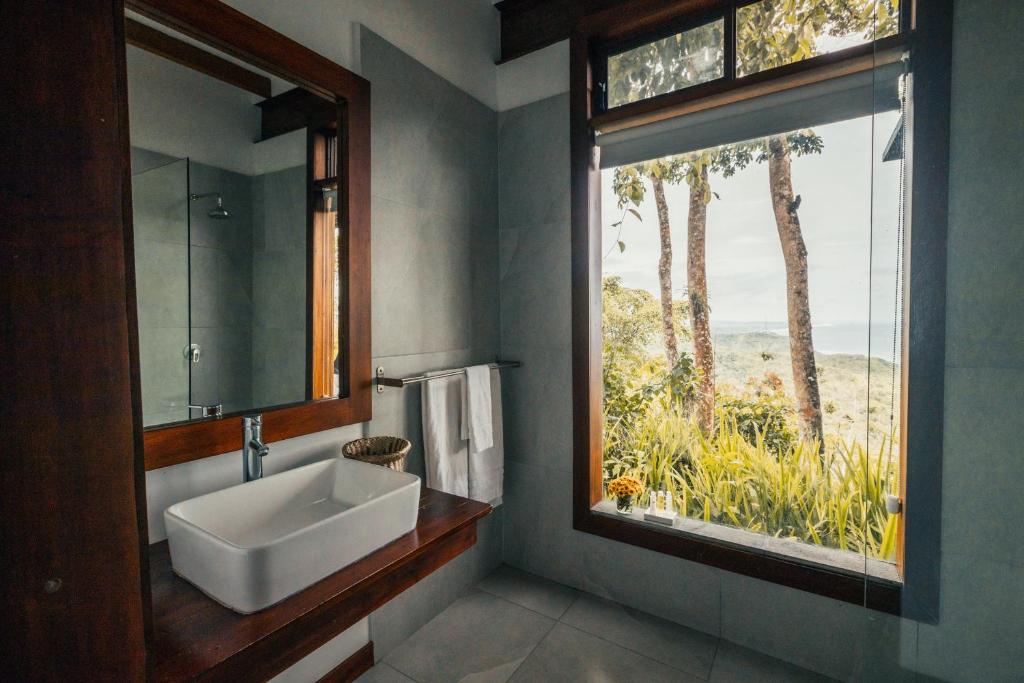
[
  {"x": 665, "y": 273},
  {"x": 697, "y": 286},
  {"x": 801, "y": 345}
]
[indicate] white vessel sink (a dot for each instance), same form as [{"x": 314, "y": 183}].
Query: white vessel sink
[{"x": 252, "y": 545}]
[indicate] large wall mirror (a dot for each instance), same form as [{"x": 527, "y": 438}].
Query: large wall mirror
[{"x": 242, "y": 216}]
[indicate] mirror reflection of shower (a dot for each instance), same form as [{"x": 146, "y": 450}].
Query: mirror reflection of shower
[{"x": 218, "y": 212}]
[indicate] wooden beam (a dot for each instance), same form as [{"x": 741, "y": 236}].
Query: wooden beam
[
  {"x": 234, "y": 33},
  {"x": 72, "y": 591},
  {"x": 186, "y": 54},
  {"x": 529, "y": 25},
  {"x": 296, "y": 109}
]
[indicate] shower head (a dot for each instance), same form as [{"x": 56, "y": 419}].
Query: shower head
[{"x": 218, "y": 212}]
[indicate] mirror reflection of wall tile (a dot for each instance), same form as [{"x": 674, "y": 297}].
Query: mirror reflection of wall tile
[
  {"x": 165, "y": 374},
  {"x": 160, "y": 209},
  {"x": 279, "y": 287}
]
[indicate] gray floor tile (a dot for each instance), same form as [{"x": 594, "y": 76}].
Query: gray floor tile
[
  {"x": 382, "y": 673},
  {"x": 479, "y": 637},
  {"x": 735, "y": 664},
  {"x": 532, "y": 592},
  {"x": 568, "y": 654},
  {"x": 664, "y": 641}
]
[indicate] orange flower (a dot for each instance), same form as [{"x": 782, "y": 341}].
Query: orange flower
[{"x": 625, "y": 486}]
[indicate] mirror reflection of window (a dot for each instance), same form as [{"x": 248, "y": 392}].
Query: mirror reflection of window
[{"x": 227, "y": 221}]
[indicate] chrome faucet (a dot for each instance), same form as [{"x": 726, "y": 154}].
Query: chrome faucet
[{"x": 253, "y": 448}]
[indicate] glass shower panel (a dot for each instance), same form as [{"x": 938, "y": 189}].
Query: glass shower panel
[
  {"x": 161, "y": 226},
  {"x": 220, "y": 251}
]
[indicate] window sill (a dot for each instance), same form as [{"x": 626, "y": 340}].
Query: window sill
[
  {"x": 830, "y": 559},
  {"x": 836, "y": 574}
]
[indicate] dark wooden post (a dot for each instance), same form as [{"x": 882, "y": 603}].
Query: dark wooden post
[{"x": 71, "y": 470}]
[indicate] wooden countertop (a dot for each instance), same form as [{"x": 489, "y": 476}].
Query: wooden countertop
[{"x": 196, "y": 638}]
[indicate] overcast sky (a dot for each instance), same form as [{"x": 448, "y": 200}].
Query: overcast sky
[{"x": 848, "y": 213}]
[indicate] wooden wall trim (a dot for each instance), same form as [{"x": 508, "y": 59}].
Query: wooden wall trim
[
  {"x": 925, "y": 294},
  {"x": 239, "y": 35},
  {"x": 71, "y": 577},
  {"x": 186, "y": 54},
  {"x": 352, "y": 668},
  {"x": 585, "y": 209},
  {"x": 529, "y": 25}
]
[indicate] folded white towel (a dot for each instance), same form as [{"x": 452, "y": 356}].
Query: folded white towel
[
  {"x": 445, "y": 452},
  {"x": 477, "y": 408},
  {"x": 487, "y": 464}
]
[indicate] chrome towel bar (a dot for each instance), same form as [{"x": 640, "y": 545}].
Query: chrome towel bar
[{"x": 383, "y": 381}]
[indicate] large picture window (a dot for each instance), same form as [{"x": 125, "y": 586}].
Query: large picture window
[{"x": 754, "y": 388}]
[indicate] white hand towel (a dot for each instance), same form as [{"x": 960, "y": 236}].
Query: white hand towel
[
  {"x": 487, "y": 465},
  {"x": 445, "y": 451},
  {"x": 477, "y": 407}
]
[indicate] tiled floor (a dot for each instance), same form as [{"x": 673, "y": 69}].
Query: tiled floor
[{"x": 518, "y": 627}]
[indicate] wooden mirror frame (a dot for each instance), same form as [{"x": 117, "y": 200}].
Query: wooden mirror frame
[{"x": 234, "y": 33}]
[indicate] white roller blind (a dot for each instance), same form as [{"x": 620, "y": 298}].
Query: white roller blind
[{"x": 836, "y": 99}]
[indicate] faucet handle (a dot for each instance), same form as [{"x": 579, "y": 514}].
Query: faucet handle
[
  {"x": 212, "y": 410},
  {"x": 253, "y": 448}
]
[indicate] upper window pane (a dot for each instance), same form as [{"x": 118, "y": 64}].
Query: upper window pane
[
  {"x": 772, "y": 33},
  {"x": 679, "y": 61}
]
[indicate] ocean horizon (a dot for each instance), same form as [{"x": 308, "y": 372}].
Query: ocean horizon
[{"x": 862, "y": 339}]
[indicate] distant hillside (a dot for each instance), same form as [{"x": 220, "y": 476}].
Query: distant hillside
[{"x": 842, "y": 379}]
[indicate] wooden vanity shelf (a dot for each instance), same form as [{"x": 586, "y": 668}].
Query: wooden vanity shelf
[{"x": 195, "y": 638}]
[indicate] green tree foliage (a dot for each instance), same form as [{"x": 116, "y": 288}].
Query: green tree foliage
[
  {"x": 631, "y": 321},
  {"x": 774, "y": 33},
  {"x": 633, "y": 379},
  {"x": 761, "y": 413},
  {"x": 834, "y": 499},
  {"x": 671, "y": 63}
]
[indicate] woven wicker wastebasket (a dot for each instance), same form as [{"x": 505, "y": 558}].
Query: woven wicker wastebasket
[{"x": 389, "y": 451}]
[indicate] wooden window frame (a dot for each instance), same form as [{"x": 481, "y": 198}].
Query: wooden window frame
[
  {"x": 234, "y": 33},
  {"x": 605, "y": 50},
  {"x": 927, "y": 33},
  {"x": 324, "y": 254}
]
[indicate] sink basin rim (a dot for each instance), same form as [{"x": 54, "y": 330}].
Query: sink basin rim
[{"x": 175, "y": 510}]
